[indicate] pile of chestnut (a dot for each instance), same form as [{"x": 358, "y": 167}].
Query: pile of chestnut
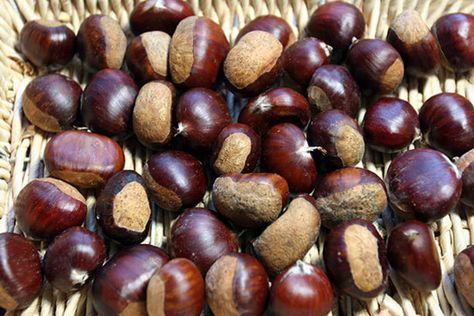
[{"x": 288, "y": 167}]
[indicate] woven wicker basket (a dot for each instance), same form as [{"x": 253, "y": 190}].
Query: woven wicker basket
[{"x": 22, "y": 145}]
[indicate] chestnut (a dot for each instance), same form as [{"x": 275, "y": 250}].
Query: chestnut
[
  {"x": 20, "y": 272},
  {"x": 447, "y": 123},
  {"x": 119, "y": 287},
  {"x": 423, "y": 184},
  {"x": 47, "y": 43},
  {"x": 254, "y": 63},
  {"x": 147, "y": 56},
  {"x": 123, "y": 208},
  {"x": 412, "y": 38},
  {"x": 153, "y": 113},
  {"x": 201, "y": 114},
  {"x": 159, "y": 15},
  {"x": 290, "y": 237},
  {"x": 198, "y": 48},
  {"x": 200, "y": 236},
  {"x": 275, "y": 106},
  {"x": 302, "y": 58},
  {"x": 236, "y": 150},
  {"x": 176, "y": 180},
  {"x": 272, "y": 24},
  {"x": 107, "y": 103},
  {"x": 412, "y": 253},
  {"x": 332, "y": 87},
  {"x": 237, "y": 284},
  {"x": 285, "y": 151},
  {"x": 464, "y": 274},
  {"x": 83, "y": 159},
  {"x": 177, "y": 288},
  {"x": 252, "y": 199},
  {"x": 465, "y": 166},
  {"x": 338, "y": 136},
  {"x": 101, "y": 43},
  {"x": 72, "y": 258},
  {"x": 355, "y": 259},
  {"x": 376, "y": 66},
  {"x": 51, "y": 102},
  {"x": 302, "y": 289},
  {"x": 455, "y": 35},
  {"x": 45, "y": 207}
]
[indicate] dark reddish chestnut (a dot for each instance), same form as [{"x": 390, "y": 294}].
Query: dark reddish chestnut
[
  {"x": 423, "y": 183},
  {"x": 51, "y": 102},
  {"x": 20, "y": 272},
  {"x": 101, "y": 42},
  {"x": 355, "y": 259},
  {"x": 412, "y": 38},
  {"x": 447, "y": 123},
  {"x": 332, "y": 87},
  {"x": 275, "y": 106},
  {"x": 376, "y": 66},
  {"x": 236, "y": 150},
  {"x": 200, "y": 236},
  {"x": 177, "y": 288},
  {"x": 339, "y": 138},
  {"x": 466, "y": 167},
  {"x": 83, "y": 159},
  {"x": 464, "y": 274},
  {"x": 47, "y": 43},
  {"x": 412, "y": 253},
  {"x": 107, "y": 103},
  {"x": 302, "y": 289},
  {"x": 73, "y": 257},
  {"x": 123, "y": 208},
  {"x": 198, "y": 48},
  {"x": 201, "y": 114},
  {"x": 45, "y": 207},
  {"x": 237, "y": 284},
  {"x": 176, "y": 180},
  {"x": 286, "y": 152},
  {"x": 272, "y": 24},
  {"x": 390, "y": 125}
]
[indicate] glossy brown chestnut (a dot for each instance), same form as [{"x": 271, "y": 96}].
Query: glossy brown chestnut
[
  {"x": 51, "y": 102},
  {"x": 200, "y": 236},
  {"x": 159, "y": 15},
  {"x": 275, "y": 106},
  {"x": 201, "y": 114},
  {"x": 176, "y": 180},
  {"x": 237, "y": 284},
  {"x": 47, "y": 43},
  {"x": 290, "y": 237},
  {"x": 123, "y": 208},
  {"x": 376, "y": 66},
  {"x": 198, "y": 48},
  {"x": 147, "y": 56},
  {"x": 338, "y": 138},
  {"x": 272, "y": 24},
  {"x": 447, "y": 123},
  {"x": 332, "y": 87},
  {"x": 107, "y": 103},
  {"x": 101, "y": 42},
  {"x": 465, "y": 166},
  {"x": 73, "y": 257},
  {"x": 464, "y": 274},
  {"x": 177, "y": 288},
  {"x": 45, "y": 207},
  {"x": 302, "y": 289},
  {"x": 120, "y": 285},
  {"x": 412, "y": 38},
  {"x": 252, "y": 199},
  {"x": 83, "y": 159},
  {"x": 236, "y": 150},
  {"x": 355, "y": 259},
  {"x": 412, "y": 253},
  {"x": 455, "y": 35},
  {"x": 20, "y": 272},
  {"x": 424, "y": 184},
  {"x": 254, "y": 63},
  {"x": 390, "y": 125}
]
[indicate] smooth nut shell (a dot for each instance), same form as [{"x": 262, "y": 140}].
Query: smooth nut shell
[
  {"x": 464, "y": 274},
  {"x": 272, "y": 24},
  {"x": 465, "y": 165}
]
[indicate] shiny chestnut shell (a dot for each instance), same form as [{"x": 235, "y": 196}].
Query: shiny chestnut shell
[
  {"x": 272, "y": 24},
  {"x": 464, "y": 273},
  {"x": 465, "y": 166}
]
